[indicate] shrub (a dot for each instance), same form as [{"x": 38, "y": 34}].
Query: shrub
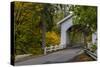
[
  {"x": 52, "y": 38},
  {"x": 37, "y": 51},
  {"x": 94, "y": 47}
]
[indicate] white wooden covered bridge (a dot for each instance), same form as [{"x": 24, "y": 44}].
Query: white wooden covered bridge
[
  {"x": 64, "y": 55},
  {"x": 65, "y": 24}
]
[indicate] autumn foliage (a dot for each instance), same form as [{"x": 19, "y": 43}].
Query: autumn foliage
[{"x": 52, "y": 38}]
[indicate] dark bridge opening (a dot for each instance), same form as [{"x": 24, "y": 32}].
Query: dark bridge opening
[{"x": 77, "y": 35}]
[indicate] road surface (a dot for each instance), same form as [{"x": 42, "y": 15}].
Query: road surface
[{"x": 56, "y": 57}]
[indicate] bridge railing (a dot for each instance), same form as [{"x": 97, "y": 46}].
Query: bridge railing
[{"x": 53, "y": 48}]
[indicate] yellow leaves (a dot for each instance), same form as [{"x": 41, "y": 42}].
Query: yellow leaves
[
  {"x": 52, "y": 38},
  {"x": 39, "y": 17},
  {"x": 23, "y": 4},
  {"x": 39, "y": 7},
  {"x": 18, "y": 4}
]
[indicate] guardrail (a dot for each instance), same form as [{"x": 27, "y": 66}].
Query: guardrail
[{"x": 93, "y": 55}]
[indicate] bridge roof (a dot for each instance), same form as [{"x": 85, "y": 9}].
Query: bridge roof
[{"x": 66, "y": 18}]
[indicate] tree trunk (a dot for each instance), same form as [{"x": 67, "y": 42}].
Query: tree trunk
[
  {"x": 85, "y": 41},
  {"x": 64, "y": 10},
  {"x": 44, "y": 36}
]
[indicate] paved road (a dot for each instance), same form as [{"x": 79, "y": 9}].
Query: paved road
[{"x": 56, "y": 57}]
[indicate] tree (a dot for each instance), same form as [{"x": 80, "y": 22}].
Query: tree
[
  {"x": 26, "y": 22},
  {"x": 87, "y": 17},
  {"x": 32, "y": 21}
]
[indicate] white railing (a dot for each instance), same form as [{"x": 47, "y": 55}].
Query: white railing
[{"x": 52, "y": 48}]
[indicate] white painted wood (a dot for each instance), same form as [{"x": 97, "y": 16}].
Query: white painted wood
[
  {"x": 94, "y": 38},
  {"x": 65, "y": 24},
  {"x": 52, "y": 48}
]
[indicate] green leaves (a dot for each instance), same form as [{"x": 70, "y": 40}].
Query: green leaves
[
  {"x": 28, "y": 19},
  {"x": 86, "y": 15}
]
